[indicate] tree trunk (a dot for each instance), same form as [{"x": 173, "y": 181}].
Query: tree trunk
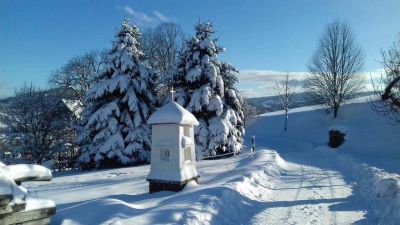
[
  {"x": 387, "y": 94},
  {"x": 335, "y": 111},
  {"x": 286, "y": 119}
]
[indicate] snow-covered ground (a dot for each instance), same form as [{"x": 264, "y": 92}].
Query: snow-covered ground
[
  {"x": 293, "y": 178},
  {"x": 258, "y": 189},
  {"x": 370, "y": 138}
]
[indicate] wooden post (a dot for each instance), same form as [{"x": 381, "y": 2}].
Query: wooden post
[{"x": 253, "y": 144}]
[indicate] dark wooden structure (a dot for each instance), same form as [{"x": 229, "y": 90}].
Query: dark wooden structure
[
  {"x": 161, "y": 185},
  {"x": 336, "y": 138},
  {"x": 20, "y": 212}
]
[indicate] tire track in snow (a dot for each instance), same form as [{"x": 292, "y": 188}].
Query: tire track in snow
[
  {"x": 320, "y": 181},
  {"x": 309, "y": 190},
  {"x": 296, "y": 197},
  {"x": 304, "y": 191},
  {"x": 290, "y": 189},
  {"x": 303, "y": 195},
  {"x": 333, "y": 219}
]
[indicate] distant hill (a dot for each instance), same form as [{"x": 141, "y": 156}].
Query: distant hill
[
  {"x": 271, "y": 103},
  {"x": 60, "y": 92},
  {"x": 4, "y": 103},
  {"x": 262, "y": 104}
]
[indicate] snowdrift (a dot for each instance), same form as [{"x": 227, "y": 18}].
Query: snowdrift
[
  {"x": 379, "y": 189},
  {"x": 310, "y": 184},
  {"x": 369, "y": 137},
  {"x": 232, "y": 203},
  {"x": 370, "y": 155},
  {"x": 229, "y": 193}
]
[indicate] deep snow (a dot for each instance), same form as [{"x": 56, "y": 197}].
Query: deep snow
[
  {"x": 369, "y": 159},
  {"x": 259, "y": 189},
  {"x": 293, "y": 178},
  {"x": 370, "y": 138}
]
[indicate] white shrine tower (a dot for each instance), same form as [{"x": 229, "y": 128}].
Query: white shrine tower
[{"x": 173, "y": 156}]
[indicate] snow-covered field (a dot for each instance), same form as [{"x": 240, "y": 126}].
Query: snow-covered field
[
  {"x": 293, "y": 178},
  {"x": 369, "y": 137}
]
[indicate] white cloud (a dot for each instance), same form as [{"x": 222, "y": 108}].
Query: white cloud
[
  {"x": 145, "y": 19},
  {"x": 268, "y": 77},
  {"x": 250, "y": 93},
  {"x": 373, "y": 80},
  {"x": 257, "y": 83},
  {"x": 129, "y": 10},
  {"x": 160, "y": 16},
  {"x": 142, "y": 17}
]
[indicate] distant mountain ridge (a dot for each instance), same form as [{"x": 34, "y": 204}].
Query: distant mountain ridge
[
  {"x": 262, "y": 104},
  {"x": 271, "y": 103}
]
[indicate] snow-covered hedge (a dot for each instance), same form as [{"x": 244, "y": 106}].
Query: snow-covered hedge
[
  {"x": 214, "y": 205},
  {"x": 380, "y": 189},
  {"x": 21, "y": 172}
]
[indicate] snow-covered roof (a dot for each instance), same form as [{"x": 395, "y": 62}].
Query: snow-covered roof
[
  {"x": 24, "y": 172},
  {"x": 172, "y": 113},
  {"x": 2, "y": 125},
  {"x": 14, "y": 198},
  {"x": 74, "y": 106}
]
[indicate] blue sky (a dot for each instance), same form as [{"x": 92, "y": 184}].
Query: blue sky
[{"x": 263, "y": 38}]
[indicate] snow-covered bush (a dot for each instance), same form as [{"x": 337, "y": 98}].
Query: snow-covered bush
[
  {"x": 337, "y": 135},
  {"x": 205, "y": 86},
  {"x": 114, "y": 130},
  {"x": 336, "y": 138},
  {"x": 379, "y": 189}
]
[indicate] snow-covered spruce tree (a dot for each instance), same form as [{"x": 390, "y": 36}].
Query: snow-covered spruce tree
[
  {"x": 234, "y": 106},
  {"x": 199, "y": 82},
  {"x": 114, "y": 131}
]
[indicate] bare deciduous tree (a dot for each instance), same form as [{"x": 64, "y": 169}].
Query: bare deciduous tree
[
  {"x": 162, "y": 46},
  {"x": 248, "y": 109},
  {"x": 31, "y": 127},
  {"x": 387, "y": 91},
  {"x": 285, "y": 90},
  {"x": 335, "y": 68},
  {"x": 78, "y": 74}
]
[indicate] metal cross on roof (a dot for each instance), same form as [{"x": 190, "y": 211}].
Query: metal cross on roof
[{"x": 172, "y": 93}]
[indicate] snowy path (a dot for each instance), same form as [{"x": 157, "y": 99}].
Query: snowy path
[
  {"x": 263, "y": 189},
  {"x": 308, "y": 195},
  {"x": 302, "y": 182}
]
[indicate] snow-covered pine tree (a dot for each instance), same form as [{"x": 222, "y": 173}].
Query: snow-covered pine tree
[
  {"x": 199, "y": 82},
  {"x": 234, "y": 106},
  {"x": 114, "y": 130}
]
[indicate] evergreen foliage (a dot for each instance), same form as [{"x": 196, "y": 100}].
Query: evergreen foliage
[
  {"x": 205, "y": 87},
  {"x": 114, "y": 125}
]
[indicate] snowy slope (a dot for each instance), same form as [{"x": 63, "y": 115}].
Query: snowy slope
[
  {"x": 300, "y": 181},
  {"x": 370, "y": 138},
  {"x": 259, "y": 189},
  {"x": 369, "y": 159}
]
